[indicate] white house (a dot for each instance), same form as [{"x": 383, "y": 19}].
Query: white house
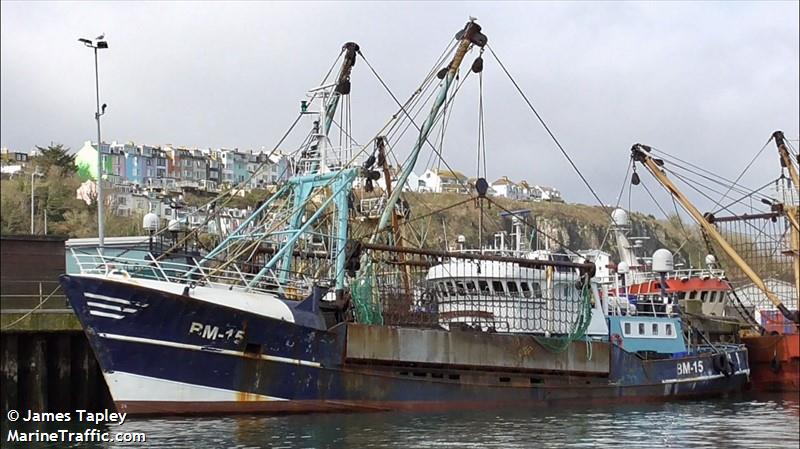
[
  {"x": 412, "y": 183},
  {"x": 544, "y": 193},
  {"x": 507, "y": 188},
  {"x": 441, "y": 181}
]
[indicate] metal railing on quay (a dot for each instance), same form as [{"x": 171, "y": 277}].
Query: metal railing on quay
[{"x": 25, "y": 295}]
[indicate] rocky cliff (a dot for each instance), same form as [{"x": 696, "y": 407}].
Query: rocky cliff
[{"x": 438, "y": 219}]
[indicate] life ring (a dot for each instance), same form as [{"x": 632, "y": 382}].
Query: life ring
[
  {"x": 617, "y": 339},
  {"x": 115, "y": 272}
]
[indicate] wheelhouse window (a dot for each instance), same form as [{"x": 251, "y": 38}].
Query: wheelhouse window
[
  {"x": 512, "y": 288},
  {"x": 460, "y": 288},
  {"x": 655, "y": 328},
  {"x": 536, "y": 290},
  {"x": 497, "y": 286},
  {"x": 669, "y": 329},
  {"x": 641, "y": 328},
  {"x": 526, "y": 289},
  {"x": 471, "y": 287},
  {"x": 484, "y": 287},
  {"x": 627, "y": 330},
  {"x": 704, "y": 296}
]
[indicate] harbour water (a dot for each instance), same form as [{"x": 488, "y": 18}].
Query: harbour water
[{"x": 763, "y": 421}]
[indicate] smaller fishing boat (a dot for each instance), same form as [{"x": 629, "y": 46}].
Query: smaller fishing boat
[{"x": 755, "y": 245}]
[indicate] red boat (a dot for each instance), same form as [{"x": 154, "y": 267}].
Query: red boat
[{"x": 775, "y": 357}]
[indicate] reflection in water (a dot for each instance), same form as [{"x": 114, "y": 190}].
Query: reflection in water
[
  {"x": 745, "y": 423},
  {"x": 765, "y": 421}
]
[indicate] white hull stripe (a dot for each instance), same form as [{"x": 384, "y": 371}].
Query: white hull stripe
[
  {"x": 703, "y": 378},
  {"x": 172, "y": 344},
  {"x": 107, "y": 298},
  {"x": 106, "y": 314},
  {"x": 263, "y": 304},
  {"x": 109, "y": 307},
  {"x": 135, "y": 387}
]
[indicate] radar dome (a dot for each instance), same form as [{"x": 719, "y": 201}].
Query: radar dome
[
  {"x": 711, "y": 260},
  {"x": 623, "y": 268},
  {"x": 663, "y": 261},
  {"x": 620, "y": 217},
  {"x": 150, "y": 222}
]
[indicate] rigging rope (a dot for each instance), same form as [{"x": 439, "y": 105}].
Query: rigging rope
[
  {"x": 746, "y": 168},
  {"x": 403, "y": 109},
  {"x": 547, "y": 128}
]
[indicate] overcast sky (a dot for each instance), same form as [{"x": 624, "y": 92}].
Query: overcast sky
[{"x": 707, "y": 82}]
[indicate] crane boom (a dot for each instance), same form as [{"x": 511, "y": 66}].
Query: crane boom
[{"x": 641, "y": 153}]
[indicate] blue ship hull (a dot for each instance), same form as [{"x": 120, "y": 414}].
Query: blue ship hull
[{"x": 171, "y": 353}]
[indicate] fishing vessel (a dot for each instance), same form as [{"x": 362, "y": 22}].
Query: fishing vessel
[
  {"x": 310, "y": 307},
  {"x": 762, "y": 253}
]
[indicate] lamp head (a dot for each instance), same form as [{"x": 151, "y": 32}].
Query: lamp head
[{"x": 96, "y": 43}]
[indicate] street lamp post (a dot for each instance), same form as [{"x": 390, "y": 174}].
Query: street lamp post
[
  {"x": 33, "y": 175},
  {"x": 97, "y": 44}
]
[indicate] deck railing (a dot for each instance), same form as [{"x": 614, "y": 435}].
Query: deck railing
[
  {"x": 682, "y": 274},
  {"x": 335, "y": 158},
  {"x": 188, "y": 272}
]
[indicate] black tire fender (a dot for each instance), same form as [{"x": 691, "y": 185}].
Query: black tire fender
[{"x": 775, "y": 364}]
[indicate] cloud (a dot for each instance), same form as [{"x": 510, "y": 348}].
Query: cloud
[{"x": 708, "y": 82}]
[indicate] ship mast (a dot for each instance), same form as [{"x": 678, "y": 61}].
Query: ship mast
[
  {"x": 641, "y": 153},
  {"x": 791, "y": 210},
  {"x": 367, "y": 305},
  {"x": 471, "y": 34},
  {"x": 301, "y": 187},
  {"x": 786, "y": 159}
]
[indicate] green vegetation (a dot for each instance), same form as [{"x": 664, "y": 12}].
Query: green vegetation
[
  {"x": 54, "y": 197},
  {"x": 54, "y": 156}
]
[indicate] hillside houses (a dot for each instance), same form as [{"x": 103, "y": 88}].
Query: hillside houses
[
  {"x": 506, "y": 188},
  {"x": 140, "y": 178},
  {"x": 442, "y": 181},
  {"x": 178, "y": 168},
  {"x": 12, "y": 162}
]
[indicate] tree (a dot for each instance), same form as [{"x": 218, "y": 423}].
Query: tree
[{"x": 55, "y": 155}]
